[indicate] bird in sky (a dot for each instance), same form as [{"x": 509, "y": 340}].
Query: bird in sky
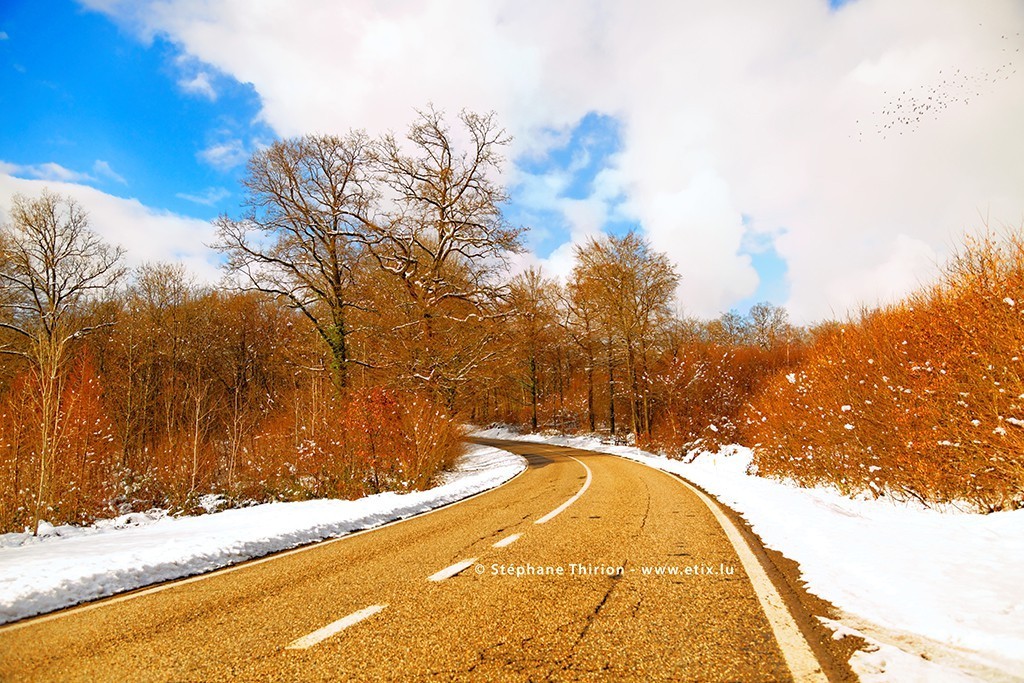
[{"x": 915, "y": 106}]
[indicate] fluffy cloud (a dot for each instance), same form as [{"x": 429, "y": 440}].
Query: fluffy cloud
[
  {"x": 225, "y": 155},
  {"x": 208, "y": 197},
  {"x": 47, "y": 171},
  {"x": 54, "y": 172},
  {"x": 783, "y": 121},
  {"x": 194, "y": 78},
  {"x": 103, "y": 169},
  {"x": 582, "y": 218},
  {"x": 199, "y": 84},
  {"x": 146, "y": 234}
]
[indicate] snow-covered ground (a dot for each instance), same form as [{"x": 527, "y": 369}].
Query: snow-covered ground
[
  {"x": 938, "y": 594},
  {"x": 67, "y": 565}
]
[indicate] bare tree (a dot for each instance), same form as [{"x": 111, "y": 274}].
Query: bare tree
[
  {"x": 581, "y": 322},
  {"x": 633, "y": 286},
  {"x": 533, "y": 299},
  {"x": 729, "y": 329},
  {"x": 51, "y": 264},
  {"x": 769, "y": 325},
  {"x": 445, "y": 238},
  {"x": 305, "y": 230}
]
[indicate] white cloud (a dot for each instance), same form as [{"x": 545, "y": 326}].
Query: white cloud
[
  {"x": 48, "y": 171},
  {"x": 741, "y": 107},
  {"x": 3, "y": 35},
  {"x": 146, "y": 234},
  {"x": 225, "y": 155},
  {"x": 545, "y": 192},
  {"x": 195, "y": 78},
  {"x": 102, "y": 168},
  {"x": 198, "y": 84},
  {"x": 207, "y": 197},
  {"x": 53, "y": 172}
]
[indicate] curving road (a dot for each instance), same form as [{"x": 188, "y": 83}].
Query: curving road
[{"x": 585, "y": 566}]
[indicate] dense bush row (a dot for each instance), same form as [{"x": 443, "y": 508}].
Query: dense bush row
[
  {"x": 138, "y": 437},
  {"x": 922, "y": 399}
]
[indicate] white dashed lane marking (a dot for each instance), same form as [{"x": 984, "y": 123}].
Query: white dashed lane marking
[
  {"x": 334, "y": 627},
  {"x": 451, "y": 571},
  {"x": 508, "y": 540}
]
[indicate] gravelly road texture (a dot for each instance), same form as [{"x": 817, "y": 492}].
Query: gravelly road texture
[{"x": 582, "y": 606}]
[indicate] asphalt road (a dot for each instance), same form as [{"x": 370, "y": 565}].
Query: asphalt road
[{"x": 577, "y": 596}]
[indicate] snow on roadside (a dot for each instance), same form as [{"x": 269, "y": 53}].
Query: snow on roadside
[
  {"x": 919, "y": 584},
  {"x": 67, "y": 565}
]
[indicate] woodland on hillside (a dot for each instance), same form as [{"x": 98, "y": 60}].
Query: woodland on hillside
[{"x": 367, "y": 312}]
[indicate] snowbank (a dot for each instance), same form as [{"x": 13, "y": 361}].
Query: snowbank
[
  {"x": 68, "y": 565},
  {"x": 916, "y": 582}
]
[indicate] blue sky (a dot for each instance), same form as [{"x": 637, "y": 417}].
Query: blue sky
[
  {"x": 111, "y": 111},
  {"x": 740, "y": 139},
  {"x": 80, "y": 92},
  {"x": 577, "y": 160}
]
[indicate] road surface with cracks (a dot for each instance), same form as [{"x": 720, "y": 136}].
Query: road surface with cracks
[{"x": 586, "y": 566}]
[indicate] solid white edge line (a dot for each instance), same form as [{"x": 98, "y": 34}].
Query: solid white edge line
[
  {"x": 551, "y": 515},
  {"x": 799, "y": 656},
  {"x": 795, "y": 650},
  {"x": 326, "y": 632},
  {"x": 508, "y": 540},
  {"x": 449, "y": 572},
  {"x": 244, "y": 564}
]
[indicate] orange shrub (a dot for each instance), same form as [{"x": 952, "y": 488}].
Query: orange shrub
[
  {"x": 919, "y": 400},
  {"x": 83, "y": 474},
  {"x": 703, "y": 387},
  {"x": 374, "y": 440}
]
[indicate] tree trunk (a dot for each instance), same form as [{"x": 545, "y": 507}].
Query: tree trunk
[
  {"x": 50, "y": 357},
  {"x": 46, "y": 429},
  {"x": 634, "y": 389},
  {"x": 646, "y": 388},
  {"x": 611, "y": 392},
  {"x": 590, "y": 392},
  {"x": 336, "y": 338},
  {"x": 533, "y": 389}
]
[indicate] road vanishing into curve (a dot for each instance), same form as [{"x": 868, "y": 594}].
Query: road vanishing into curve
[{"x": 584, "y": 567}]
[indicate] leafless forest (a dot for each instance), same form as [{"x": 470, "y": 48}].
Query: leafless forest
[{"x": 366, "y": 313}]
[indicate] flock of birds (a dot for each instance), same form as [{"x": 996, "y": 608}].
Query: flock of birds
[{"x": 905, "y": 112}]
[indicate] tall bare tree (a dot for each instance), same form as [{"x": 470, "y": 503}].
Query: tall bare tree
[
  {"x": 729, "y": 329},
  {"x": 633, "y": 286},
  {"x": 581, "y": 322},
  {"x": 445, "y": 238},
  {"x": 51, "y": 264},
  {"x": 305, "y": 230},
  {"x": 769, "y": 326},
  {"x": 533, "y": 298}
]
